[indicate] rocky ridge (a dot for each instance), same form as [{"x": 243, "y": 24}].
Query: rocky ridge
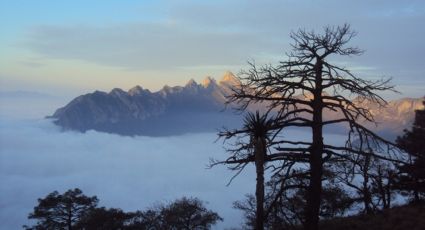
[{"x": 193, "y": 107}]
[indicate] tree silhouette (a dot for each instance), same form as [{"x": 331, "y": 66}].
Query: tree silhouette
[
  {"x": 258, "y": 128},
  {"x": 74, "y": 210},
  {"x": 62, "y": 211},
  {"x": 412, "y": 175},
  {"x": 370, "y": 179},
  {"x": 287, "y": 210},
  {"x": 299, "y": 90},
  {"x": 188, "y": 214},
  {"x": 102, "y": 218}
]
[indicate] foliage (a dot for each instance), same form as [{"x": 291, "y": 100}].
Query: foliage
[
  {"x": 412, "y": 174},
  {"x": 74, "y": 210},
  {"x": 187, "y": 213},
  {"x": 285, "y": 207},
  {"x": 62, "y": 211},
  {"x": 410, "y": 217},
  {"x": 102, "y": 218}
]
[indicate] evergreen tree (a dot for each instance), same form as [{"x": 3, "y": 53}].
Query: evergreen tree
[
  {"x": 188, "y": 214},
  {"x": 412, "y": 175},
  {"x": 62, "y": 211}
]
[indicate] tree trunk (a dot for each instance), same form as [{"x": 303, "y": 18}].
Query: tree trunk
[
  {"x": 259, "y": 190},
  {"x": 416, "y": 192},
  {"x": 367, "y": 197},
  {"x": 314, "y": 192},
  {"x": 69, "y": 221}
]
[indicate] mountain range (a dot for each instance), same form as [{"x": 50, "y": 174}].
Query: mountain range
[{"x": 190, "y": 108}]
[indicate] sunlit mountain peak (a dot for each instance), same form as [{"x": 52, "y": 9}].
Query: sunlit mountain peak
[
  {"x": 229, "y": 79},
  {"x": 208, "y": 81}
]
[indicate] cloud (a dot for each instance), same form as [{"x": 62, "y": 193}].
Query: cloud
[
  {"x": 129, "y": 173},
  {"x": 195, "y": 34},
  {"x": 144, "y": 46}
]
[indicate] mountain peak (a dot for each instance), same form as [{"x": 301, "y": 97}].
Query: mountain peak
[
  {"x": 229, "y": 79},
  {"x": 191, "y": 83},
  {"x": 117, "y": 91},
  {"x": 208, "y": 81},
  {"x": 136, "y": 90}
]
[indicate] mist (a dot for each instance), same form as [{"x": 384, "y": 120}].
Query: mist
[{"x": 131, "y": 173}]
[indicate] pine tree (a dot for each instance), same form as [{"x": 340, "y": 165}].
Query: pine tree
[
  {"x": 62, "y": 211},
  {"x": 412, "y": 175}
]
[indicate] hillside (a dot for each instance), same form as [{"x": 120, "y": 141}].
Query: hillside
[{"x": 411, "y": 217}]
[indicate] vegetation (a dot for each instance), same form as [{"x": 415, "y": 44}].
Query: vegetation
[
  {"x": 62, "y": 211},
  {"x": 298, "y": 91},
  {"x": 74, "y": 210},
  {"x": 412, "y": 175},
  {"x": 307, "y": 184},
  {"x": 410, "y": 217}
]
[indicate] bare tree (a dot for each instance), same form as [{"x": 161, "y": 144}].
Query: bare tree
[
  {"x": 371, "y": 179},
  {"x": 299, "y": 90}
]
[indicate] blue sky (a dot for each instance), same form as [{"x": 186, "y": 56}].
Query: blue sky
[{"x": 79, "y": 46}]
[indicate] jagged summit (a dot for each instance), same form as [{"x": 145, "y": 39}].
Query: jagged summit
[
  {"x": 191, "y": 83},
  {"x": 229, "y": 79},
  {"x": 117, "y": 91},
  {"x": 190, "y": 108},
  {"x": 208, "y": 81},
  {"x": 137, "y": 90}
]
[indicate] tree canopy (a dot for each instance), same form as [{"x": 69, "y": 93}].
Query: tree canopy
[
  {"x": 62, "y": 211},
  {"x": 74, "y": 210},
  {"x": 412, "y": 174}
]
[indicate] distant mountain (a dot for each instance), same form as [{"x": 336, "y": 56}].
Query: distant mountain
[
  {"x": 171, "y": 110},
  {"x": 191, "y": 108},
  {"x": 395, "y": 117}
]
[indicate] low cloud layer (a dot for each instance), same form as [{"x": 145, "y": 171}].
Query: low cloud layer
[
  {"x": 128, "y": 173},
  {"x": 131, "y": 173}
]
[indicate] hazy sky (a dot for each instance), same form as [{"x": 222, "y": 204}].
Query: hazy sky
[{"x": 70, "y": 47}]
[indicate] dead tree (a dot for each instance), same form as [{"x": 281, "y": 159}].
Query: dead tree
[{"x": 299, "y": 90}]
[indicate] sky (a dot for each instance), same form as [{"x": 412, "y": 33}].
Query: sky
[{"x": 74, "y": 47}]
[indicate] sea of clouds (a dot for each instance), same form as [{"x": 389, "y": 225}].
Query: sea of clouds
[{"x": 131, "y": 173}]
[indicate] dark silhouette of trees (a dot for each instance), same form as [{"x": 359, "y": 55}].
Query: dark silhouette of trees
[
  {"x": 187, "y": 214},
  {"x": 412, "y": 175},
  {"x": 287, "y": 210},
  {"x": 370, "y": 179},
  {"x": 62, "y": 211},
  {"x": 102, "y": 218},
  {"x": 74, "y": 210},
  {"x": 298, "y": 91},
  {"x": 259, "y": 131},
  {"x": 258, "y": 128},
  {"x": 383, "y": 182}
]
